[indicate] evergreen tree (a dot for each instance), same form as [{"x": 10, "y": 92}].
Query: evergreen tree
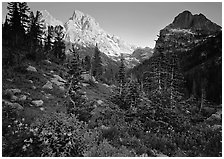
[
  {"x": 97, "y": 67},
  {"x": 74, "y": 83},
  {"x": 121, "y": 75},
  {"x": 87, "y": 63},
  {"x": 35, "y": 34},
  {"x": 59, "y": 45},
  {"x": 175, "y": 80},
  {"x": 132, "y": 95},
  {"x": 6, "y": 32},
  {"x": 49, "y": 37},
  {"x": 15, "y": 23},
  {"x": 24, "y": 12},
  {"x": 154, "y": 78}
]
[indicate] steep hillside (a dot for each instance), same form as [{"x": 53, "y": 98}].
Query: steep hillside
[
  {"x": 197, "y": 42},
  {"x": 35, "y": 89}
]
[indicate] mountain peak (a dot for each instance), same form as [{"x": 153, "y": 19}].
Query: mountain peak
[
  {"x": 186, "y": 20},
  {"x": 77, "y": 15},
  {"x": 49, "y": 19},
  {"x": 84, "y": 27},
  {"x": 183, "y": 20}
]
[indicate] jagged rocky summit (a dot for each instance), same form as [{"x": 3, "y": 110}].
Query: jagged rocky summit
[
  {"x": 186, "y": 31},
  {"x": 186, "y": 20},
  {"x": 83, "y": 29}
]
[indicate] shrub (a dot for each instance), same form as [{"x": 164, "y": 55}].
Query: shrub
[
  {"x": 60, "y": 135},
  {"x": 105, "y": 149}
]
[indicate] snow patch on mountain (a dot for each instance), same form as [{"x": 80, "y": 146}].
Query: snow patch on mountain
[{"x": 49, "y": 20}]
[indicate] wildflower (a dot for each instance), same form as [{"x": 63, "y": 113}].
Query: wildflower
[
  {"x": 69, "y": 134},
  {"x": 20, "y": 124},
  {"x": 24, "y": 148},
  {"x": 9, "y": 126}
]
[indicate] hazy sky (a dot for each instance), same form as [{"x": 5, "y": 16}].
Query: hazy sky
[{"x": 135, "y": 22}]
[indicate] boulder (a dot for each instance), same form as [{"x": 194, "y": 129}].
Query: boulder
[
  {"x": 48, "y": 85},
  {"x": 10, "y": 94},
  {"x": 85, "y": 84},
  {"x": 215, "y": 117},
  {"x": 58, "y": 80},
  {"x": 31, "y": 68},
  {"x": 42, "y": 109},
  {"x": 106, "y": 85},
  {"x": 62, "y": 88},
  {"x": 215, "y": 127},
  {"x": 30, "y": 81},
  {"x": 12, "y": 91},
  {"x": 14, "y": 98},
  {"x": 38, "y": 103},
  {"x": 22, "y": 98},
  {"x": 47, "y": 61},
  {"x": 13, "y": 105},
  {"x": 104, "y": 127},
  {"x": 88, "y": 77},
  {"x": 100, "y": 102},
  {"x": 48, "y": 96},
  {"x": 161, "y": 155}
]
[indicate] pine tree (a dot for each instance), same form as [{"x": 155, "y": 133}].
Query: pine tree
[
  {"x": 97, "y": 67},
  {"x": 74, "y": 83},
  {"x": 48, "y": 39},
  {"x": 132, "y": 95},
  {"x": 121, "y": 75},
  {"x": 35, "y": 34},
  {"x": 6, "y": 31},
  {"x": 24, "y": 12},
  {"x": 175, "y": 80},
  {"x": 203, "y": 94},
  {"x": 59, "y": 45},
  {"x": 87, "y": 63},
  {"x": 15, "y": 23}
]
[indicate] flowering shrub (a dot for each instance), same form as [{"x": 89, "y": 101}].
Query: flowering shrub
[
  {"x": 60, "y": 135},
  {"x": 105, "y": 149}
]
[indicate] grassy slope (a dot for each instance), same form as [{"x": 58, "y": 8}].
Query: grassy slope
[{"x": 18, "y": 77}]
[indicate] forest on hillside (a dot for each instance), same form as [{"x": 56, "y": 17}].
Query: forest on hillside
[{"x": 160, "y": 108}]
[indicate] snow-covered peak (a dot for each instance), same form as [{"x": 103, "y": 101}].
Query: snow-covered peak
[
  {"x": 49, "y": 20},
  {"x": 85, "y": 28}
]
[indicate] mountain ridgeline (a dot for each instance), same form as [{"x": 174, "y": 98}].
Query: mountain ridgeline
[{"x": 197, "y": 43}]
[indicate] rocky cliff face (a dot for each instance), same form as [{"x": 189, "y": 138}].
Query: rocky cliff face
[
  {"x": 186, "y": 31},
  {"x": 197, "y": 42},
  {"x": 197, "y": 22},
  {"x": 83, "y": 29},
  {"x": 49, "y": 20}
]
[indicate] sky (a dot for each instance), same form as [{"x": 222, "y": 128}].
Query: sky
[{"x": 137, "y": 23}]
